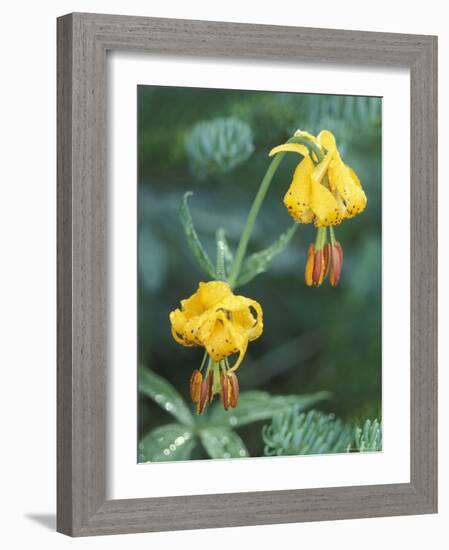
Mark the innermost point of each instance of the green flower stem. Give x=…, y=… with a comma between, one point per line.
x=203, y=361
x=217, y=383
x=332, y=235
x=257, y=203
x=320, y=238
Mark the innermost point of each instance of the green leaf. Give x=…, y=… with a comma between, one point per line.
x=192, y=238
x=257, y=405
x=297, y=433
x=369, y=437
x=169, y=442
x=223, y=443
x=165, y=395
x=260, y=261
x=224, y=255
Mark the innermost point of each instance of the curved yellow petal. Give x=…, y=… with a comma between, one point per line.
x=297, y=198
x=178, y=327
x=181, y=340
x=191, y=329
x=239, y=311
x=205, y=325
x=244, y=318
x=178, y=337
x=232, y=303
x=242, y=352
x=321, y=168
x=344, y=180
x=178, y=320
x=327, y=140
x=220, y=342
x=252, y=324
x=290, y=148
x=354, y=198
x=212, y=293
x=324, y=206
x=193, y=305
x=354, y=176
x=241, y=347
x=257, y=329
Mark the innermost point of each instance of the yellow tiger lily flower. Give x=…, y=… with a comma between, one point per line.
x=222, y=323
x=326, y=191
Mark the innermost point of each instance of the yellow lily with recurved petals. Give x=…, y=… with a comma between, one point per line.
x=324, y=191
x=222, y=323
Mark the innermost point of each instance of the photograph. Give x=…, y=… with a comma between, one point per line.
x=222, y=250
x=259, y=273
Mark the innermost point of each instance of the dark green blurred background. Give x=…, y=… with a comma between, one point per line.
x=314, y=338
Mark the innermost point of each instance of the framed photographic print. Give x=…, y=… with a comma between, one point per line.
x=247, y=283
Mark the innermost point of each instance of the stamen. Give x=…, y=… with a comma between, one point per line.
x=195, y=385
x=234, y=389
x=210, y=386
x=224, y=390
x=203, y=396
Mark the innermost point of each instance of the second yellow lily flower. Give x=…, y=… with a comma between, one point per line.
x=223, y=324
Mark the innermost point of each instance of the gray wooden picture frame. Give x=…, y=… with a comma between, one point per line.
x=83, y=41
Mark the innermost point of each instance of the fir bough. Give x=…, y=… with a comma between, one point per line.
x=293, y=432
x=369, y=436
x=218, y=146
